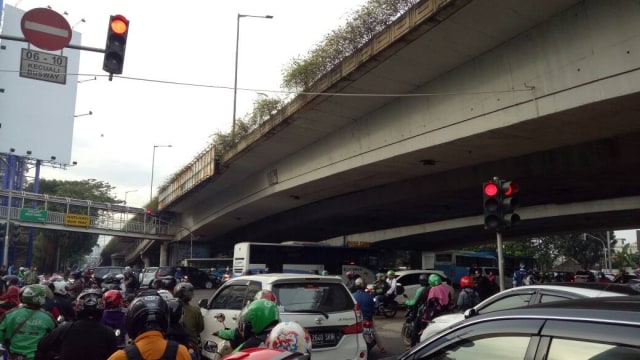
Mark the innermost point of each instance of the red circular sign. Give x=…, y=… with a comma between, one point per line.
x=46, y=29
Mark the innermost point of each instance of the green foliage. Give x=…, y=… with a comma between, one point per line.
x=361, y=27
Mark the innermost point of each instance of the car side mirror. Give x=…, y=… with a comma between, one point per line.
x=202, y=303
x=470, y=313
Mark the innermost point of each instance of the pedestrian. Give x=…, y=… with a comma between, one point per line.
x=24, y=326
x=519, y=276
x=468, y=296
x=367, y=307
x=85, y=338
x=193, y=321
x=147, y=321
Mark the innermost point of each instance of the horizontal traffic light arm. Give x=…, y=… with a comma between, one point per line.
x=70, y=46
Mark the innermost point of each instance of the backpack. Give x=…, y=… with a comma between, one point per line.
x=170, y=351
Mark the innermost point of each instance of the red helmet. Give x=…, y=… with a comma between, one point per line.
x=466, y=281
x=112, y=299
x=265, y=294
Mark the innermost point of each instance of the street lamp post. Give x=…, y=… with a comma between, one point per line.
x=607, y=255
x=130, y=191
x=153, y=162
x=235, y=81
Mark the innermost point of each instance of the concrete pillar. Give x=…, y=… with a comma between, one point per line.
x=164, y=246
x=147, y=261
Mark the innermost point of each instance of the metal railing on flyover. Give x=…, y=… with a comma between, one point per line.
x=79, y=214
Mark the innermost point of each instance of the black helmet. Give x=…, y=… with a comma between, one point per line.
x=184, y=291
x=175, y=311
x=147, y=313
x=423, y=280
x=89, y=304
x=165, y=282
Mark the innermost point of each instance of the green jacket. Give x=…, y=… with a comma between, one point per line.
x=193, y=323
x=25, y=340
x=419, y=298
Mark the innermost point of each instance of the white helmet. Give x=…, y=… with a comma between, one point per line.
x=289, y=336
x=359, y=283
x=60, y=287
x=120, y=277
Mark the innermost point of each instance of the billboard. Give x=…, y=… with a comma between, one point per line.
x=37, y=95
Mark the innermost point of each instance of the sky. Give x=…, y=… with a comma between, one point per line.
x=189, y=41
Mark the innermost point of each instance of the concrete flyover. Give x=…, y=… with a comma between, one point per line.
x=542, y=92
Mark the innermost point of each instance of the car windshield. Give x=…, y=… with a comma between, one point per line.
x=326, y=297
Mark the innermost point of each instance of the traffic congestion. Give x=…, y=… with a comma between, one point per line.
x=318, y=315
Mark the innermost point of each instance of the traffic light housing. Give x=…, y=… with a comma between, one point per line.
x=510, y=202
x=116, y=44
x=492, y=203
x=500, y=200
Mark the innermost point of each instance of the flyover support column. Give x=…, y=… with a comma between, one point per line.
x=163, y=253
x=146, y=261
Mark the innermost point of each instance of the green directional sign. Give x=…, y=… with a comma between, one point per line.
x=33, y=215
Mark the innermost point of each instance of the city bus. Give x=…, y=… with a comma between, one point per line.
x=304, y=258
x=457, y=263
x=214, y=266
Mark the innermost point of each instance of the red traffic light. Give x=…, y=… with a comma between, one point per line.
x=510, y=188
x=149, y=212
x=119, y=24
x=490, y=189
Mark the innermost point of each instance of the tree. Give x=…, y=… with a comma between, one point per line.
x=68, y=247
x=625, y=258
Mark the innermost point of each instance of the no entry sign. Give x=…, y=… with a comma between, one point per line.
x=46, y=29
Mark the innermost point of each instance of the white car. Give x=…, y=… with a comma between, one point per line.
x=529, y=295
x=410, y=282
x=322, y=304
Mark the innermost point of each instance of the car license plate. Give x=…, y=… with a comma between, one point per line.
x=324, y=339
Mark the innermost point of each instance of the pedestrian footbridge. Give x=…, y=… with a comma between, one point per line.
x=61, y=213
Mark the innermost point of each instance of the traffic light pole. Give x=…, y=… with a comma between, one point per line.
x=500, y=260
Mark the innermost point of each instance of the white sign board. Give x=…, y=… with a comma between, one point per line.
x=43, y=66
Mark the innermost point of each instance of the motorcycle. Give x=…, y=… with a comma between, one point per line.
x=388, y=307
x=369, y=334
x=409, y=325
x=222, y=347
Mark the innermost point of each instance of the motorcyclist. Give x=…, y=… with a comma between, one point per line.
x=392, y=281
x=24, y=326
x=367, y=307
x=468, y=296
x=417, y=302
x=113, y=315
x=380, y=287
x=60, y=304
x=289, y=336
x=176, y=330
x=351, y=278
x=438, y=299
x=147, y=321
x=233, y=335
x=11, y=298
x=256, y=322
x=86, y=338
x=131, y=283
x=193, y=321
x=75, y=285
x=165, y=283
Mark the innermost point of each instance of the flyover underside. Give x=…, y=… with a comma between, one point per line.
x=554, y=106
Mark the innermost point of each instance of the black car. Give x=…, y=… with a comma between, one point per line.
x=197, y=277
x=592, y=328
